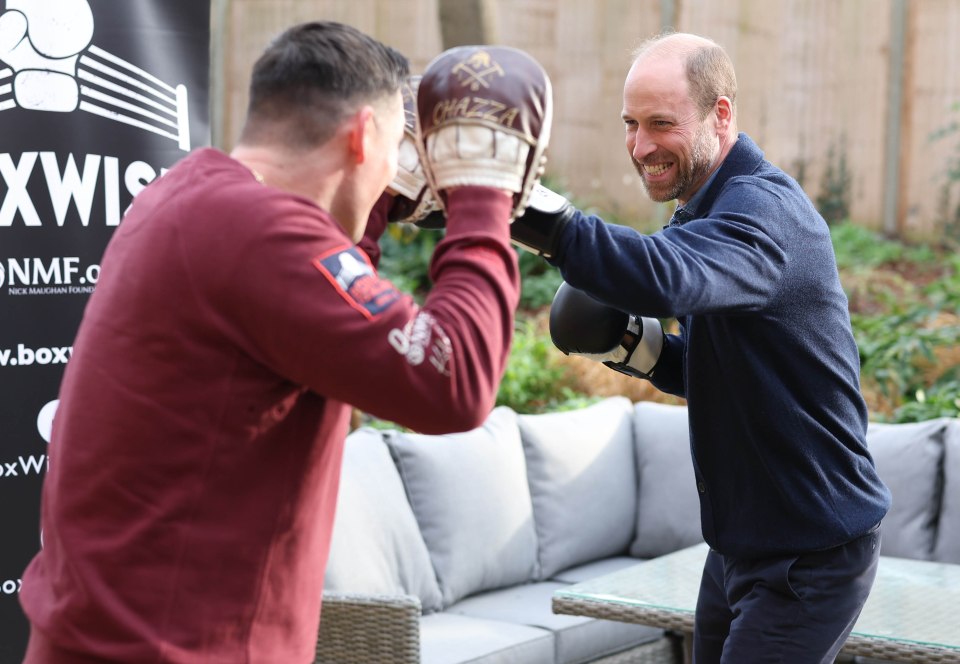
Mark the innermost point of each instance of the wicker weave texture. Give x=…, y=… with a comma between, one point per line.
x=363, y=629
x=912, y=653
x=667, y=650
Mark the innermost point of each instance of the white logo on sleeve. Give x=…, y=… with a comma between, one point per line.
x=53, y=66
x=423, y=339
x=351, y=269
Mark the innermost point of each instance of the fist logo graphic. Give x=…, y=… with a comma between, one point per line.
x=41, y=40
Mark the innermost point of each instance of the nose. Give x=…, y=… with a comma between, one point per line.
x=640, y=144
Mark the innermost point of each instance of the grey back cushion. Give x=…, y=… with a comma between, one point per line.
x=948, y=540
x=908, y=458
x=583, y=479
x=668, y=508
x=377, y=548
x=469, y=494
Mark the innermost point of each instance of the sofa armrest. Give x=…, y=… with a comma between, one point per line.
x=359, y=629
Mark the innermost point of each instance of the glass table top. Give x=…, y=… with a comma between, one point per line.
x=911, y=601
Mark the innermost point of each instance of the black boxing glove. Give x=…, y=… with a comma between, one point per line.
x=582, y=325
x=539, y=228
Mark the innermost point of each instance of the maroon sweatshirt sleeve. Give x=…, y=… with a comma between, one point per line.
x=376, y=225
x=311, y=306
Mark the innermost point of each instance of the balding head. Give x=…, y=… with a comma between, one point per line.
x=709, y=71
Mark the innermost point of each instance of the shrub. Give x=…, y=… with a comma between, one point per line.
x=405, y=257
x=903, y=311
x=534, y=381
x=941, y=400
x=539, y=280
x=833, y=201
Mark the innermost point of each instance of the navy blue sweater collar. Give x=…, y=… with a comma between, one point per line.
x=744, y=157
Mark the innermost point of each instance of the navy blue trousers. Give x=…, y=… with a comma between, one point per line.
x=790, y=610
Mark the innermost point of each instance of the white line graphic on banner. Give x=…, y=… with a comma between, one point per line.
x=51, y=65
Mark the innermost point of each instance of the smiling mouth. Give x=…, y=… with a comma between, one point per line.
x=656, y=169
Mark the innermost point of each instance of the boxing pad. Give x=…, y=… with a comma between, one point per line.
x=582, y=325
x=485, y=114
x=413, y=202
x=539, y=228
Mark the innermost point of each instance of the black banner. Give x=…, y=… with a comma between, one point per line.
x=97, y=99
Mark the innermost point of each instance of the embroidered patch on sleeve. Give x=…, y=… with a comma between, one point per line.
x=350, y=272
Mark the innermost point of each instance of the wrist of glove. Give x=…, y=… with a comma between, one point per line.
x=539, y=229
x=638, y=351
x=582, y=325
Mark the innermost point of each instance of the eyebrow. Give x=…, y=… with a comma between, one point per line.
x=624, y=115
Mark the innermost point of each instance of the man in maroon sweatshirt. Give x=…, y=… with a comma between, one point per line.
x=239, y=317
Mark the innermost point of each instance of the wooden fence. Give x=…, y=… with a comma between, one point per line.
x=846, y=95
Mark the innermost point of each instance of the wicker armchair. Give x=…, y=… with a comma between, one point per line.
x=362, y=629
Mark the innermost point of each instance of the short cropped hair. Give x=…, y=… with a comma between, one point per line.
x=710, y=71
x=312, y=76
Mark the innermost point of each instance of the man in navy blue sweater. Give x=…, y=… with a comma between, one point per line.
x=790, y=498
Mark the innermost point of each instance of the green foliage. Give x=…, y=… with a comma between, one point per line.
x=406, y=252
x=534, y=381
x=941, y=400
x=900, y=345
x=945, y=292
x=856, y=246
x=405, y=257
x=894, y=348
x=833, y=201
x=539, y=281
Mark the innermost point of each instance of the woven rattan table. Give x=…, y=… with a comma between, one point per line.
x=912, y=615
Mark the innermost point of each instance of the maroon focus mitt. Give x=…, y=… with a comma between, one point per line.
x=485, y=114
x=413, y=201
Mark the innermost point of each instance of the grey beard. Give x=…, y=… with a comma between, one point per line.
x=699, y=166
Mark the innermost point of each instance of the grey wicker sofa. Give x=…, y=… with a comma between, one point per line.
x=447, y=549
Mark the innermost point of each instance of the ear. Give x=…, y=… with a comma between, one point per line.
x=359, y=128
x=724, y=111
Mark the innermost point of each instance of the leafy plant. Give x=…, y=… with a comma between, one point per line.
x=539, y=280
x=945, y=292
x=894, y=348
x=532, y=382
x=940, y=400
x=405, y=257
x=899, y=354
x=857, y=247
x=833, y=201
x=904, y=320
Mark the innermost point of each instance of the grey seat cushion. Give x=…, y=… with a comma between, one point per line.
x=446, y=638
x=947, y=548
x=377, y=548
x=578, y=639
x=594, y=569
x=668, y=508
x=582, y=476
x=908, y=457
x=470, y=497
